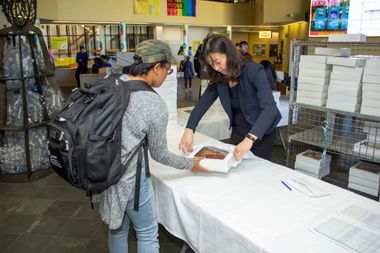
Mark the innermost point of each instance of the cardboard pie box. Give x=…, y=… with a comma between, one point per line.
x=218, y=158
x=348, y=62
x=366, y=171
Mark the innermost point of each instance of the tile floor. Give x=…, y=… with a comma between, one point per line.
x=49, y=215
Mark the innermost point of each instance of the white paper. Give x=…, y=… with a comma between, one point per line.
x=363, y=216
x=349, y=236
x=304, y=186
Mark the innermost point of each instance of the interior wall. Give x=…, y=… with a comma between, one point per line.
x=295, y=31
x=121, y=10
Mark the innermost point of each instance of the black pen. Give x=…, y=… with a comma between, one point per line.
x=287, y=186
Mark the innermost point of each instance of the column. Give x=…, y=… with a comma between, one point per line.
x=185, y=37
x=229, y=32
x=101, y=41
x=123, y=37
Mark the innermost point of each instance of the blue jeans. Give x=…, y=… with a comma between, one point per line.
x=144, y=221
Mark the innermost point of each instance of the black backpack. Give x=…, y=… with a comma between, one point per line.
x=85, y=138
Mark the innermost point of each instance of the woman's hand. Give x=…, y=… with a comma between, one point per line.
x=242, y=148
x=197, y=168
x=186, y=143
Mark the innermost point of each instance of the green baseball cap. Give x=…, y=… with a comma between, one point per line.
x=152, y=51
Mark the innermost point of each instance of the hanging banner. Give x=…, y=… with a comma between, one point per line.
x=58, y=43
x=146, y=7
x=181, y=8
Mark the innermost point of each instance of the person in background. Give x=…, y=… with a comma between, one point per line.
x=271, y=73
x=181, y=51
x=190, y=53
x=201, y=70
x=188, y=73
x=100, y=62
x=146, y=117
x=51, y=56
x=243, y=90
x=243, y=45
x=82, y=61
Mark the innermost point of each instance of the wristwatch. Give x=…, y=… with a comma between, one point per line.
x=251, y=137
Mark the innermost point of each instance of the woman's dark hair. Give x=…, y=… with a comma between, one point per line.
x=138, y=68
x=216, y=43
x=81, y=47
x=270, y=73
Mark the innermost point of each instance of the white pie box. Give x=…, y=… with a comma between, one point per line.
x=218, y=165
x=314, y=58
x=350, y=106
x=314, y=73
x=346, y=84
x=371, y=78
x=363, y=182
x=352, y=37
x=314, y=66
x=364, y=189
x=312, y=87
x=311, y=101
x=373, y=111
x=312, y=94
x=346, y=76
x=371, y=103
x=367, y=171
x=356, y=70
x=349, y=92
x=372, y=95
x=371, y=87
x=313, y=158
x=367, y=149
x=372, y=67
x=344, y=52
x=348, y=62
x=313, y=80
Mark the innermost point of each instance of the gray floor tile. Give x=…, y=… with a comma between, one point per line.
x=85, y=211
x=33, y=206
x=49, y=192
x=6, y=187
x=47, y=225
x=56, y=180
x=6, y=240
x=9, y=204
x=97, y=247
x=23, y=191
x=81, y=228
x=67, y=245
x=29, y=243
x=101, y=233
x=17, y=223
x=3, y=216
x=72, y=194
x=63, y=208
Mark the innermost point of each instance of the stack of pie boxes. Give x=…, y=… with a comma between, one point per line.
x=365, y=177
x=313, y=80
x=345, y=89
x=313, y=163
x=371, y=88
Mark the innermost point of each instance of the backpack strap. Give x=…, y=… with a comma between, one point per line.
x=139, y=171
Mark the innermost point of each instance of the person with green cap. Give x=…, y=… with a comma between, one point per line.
x=146, y=115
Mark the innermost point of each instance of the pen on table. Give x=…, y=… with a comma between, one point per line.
x=287, y=186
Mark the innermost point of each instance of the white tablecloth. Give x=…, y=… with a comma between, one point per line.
x=246, y=210
x=215, y=122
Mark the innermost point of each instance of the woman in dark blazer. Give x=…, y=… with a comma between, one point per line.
x=245, y=94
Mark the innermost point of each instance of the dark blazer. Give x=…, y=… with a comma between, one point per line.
x=256, y=101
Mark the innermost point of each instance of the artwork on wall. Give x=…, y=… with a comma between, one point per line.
x=259, y=50
x=273, y=48
x=143, y=7
x=181, y=7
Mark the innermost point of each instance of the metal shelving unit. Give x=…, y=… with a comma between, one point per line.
x=345, y=129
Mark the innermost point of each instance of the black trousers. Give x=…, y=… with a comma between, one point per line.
x=80, y=70
x=261, y=148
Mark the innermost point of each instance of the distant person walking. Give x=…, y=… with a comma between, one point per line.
x=82, y=61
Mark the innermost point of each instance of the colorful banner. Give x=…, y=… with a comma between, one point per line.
x=181, y=7
x=329, y=17
x=146, y=7
x=58, y=43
